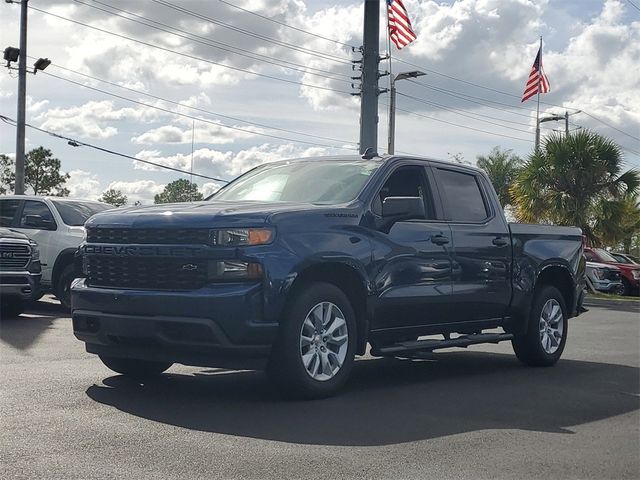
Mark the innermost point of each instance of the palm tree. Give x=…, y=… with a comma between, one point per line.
x=618, y=222
x=502, y=167
x=573, y=180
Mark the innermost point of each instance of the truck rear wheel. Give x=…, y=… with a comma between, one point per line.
x=546, y=335
x=315, y=350
x=133, y=367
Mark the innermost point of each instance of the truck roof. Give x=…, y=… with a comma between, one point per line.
x=384, y=158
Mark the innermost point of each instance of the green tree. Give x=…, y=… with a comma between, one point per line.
x=114, y=197
x=41, y=173
x=6, y=167
x=179, y=191
x=618, y=222
x=502, y=168
x=574, y=180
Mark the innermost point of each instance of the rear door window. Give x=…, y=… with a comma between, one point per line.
x=8, y=211
x=463, y=198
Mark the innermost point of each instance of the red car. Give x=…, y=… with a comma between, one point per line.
x=630, y=272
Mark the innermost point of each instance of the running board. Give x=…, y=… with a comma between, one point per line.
x=430, y=345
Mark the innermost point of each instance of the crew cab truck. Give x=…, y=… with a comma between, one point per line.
x=20, y=271
x=296, y=266
x=56, y=224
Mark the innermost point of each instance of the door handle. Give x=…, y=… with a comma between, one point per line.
x=500, y=241
x=439, y=239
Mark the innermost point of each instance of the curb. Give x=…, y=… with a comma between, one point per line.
x=629, y=305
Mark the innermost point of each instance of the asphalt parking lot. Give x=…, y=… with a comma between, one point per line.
x=460, y=414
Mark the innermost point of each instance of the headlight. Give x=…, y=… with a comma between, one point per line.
x=599, y=274
x=636, y=274
x=233, y=270
x=35, y=251
x=237, y=237
x=84, y=235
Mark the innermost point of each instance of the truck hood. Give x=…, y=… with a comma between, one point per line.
x=601, y=265
x=195, y=215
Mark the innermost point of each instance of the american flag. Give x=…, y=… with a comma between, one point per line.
x=538, y=81
x=400, y=31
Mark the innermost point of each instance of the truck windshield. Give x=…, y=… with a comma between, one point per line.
x=320, y=182
x=75, y=214
x=605, y=256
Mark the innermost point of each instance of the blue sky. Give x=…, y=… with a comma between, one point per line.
x=591, y=56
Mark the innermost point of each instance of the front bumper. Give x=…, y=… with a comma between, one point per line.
x=19, y=284
x=606, y=285
x=216, y=326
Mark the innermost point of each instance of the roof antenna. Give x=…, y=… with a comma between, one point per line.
x=369, y=153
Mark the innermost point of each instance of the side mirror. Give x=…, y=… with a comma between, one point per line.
x=36, y=221
x=403, y=208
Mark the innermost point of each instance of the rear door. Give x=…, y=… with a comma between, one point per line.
x=412, y=258
x=481, y=253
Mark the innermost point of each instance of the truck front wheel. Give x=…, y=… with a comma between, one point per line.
x=133, y=367
x=314, y=354
x=546, y=335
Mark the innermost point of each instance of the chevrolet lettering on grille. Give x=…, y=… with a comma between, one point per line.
x=142, y=250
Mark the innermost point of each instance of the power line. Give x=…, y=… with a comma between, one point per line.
x=184, y=105
x=474, y=116
x=633, y=5
x=479, y=100
x=287, y=25
x=249, y=33
x=463, y=126
x=216, y=44
x=78, y=143
x=611, y=126
x=166, y=110
x=187, y=55
x=451, y=77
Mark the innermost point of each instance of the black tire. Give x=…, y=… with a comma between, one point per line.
x=11, y=307
x=135, y=368
x=286, y=368
x=63, y=287
x=529, y=346
x=626, y=289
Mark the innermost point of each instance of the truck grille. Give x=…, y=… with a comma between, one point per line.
x=157, y=236
x=611, y=274
x=145, y=273
x=14, y=256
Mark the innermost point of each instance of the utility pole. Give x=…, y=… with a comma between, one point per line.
x=22, y=91
x=392, y=106
x=369, y=89
x=564, y=117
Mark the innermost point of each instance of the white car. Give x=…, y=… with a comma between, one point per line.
x=56, y=224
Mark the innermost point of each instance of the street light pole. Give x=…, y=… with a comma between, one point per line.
x=22, y=92
x=392, y=106
x=564, y=117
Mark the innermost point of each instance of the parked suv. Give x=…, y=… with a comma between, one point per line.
x=19, y=270
x=630, y=272
x=57, y=225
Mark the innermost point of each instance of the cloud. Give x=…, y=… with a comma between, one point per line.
x=138, y=190
x=227, y=165
x=82, y=184
x=92, y=118
x=211, y=132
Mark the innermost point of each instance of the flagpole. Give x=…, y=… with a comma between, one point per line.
x=390, y=121
x=538, y=107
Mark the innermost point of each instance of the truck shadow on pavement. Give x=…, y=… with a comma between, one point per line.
x=22, y=331
x=388, y=401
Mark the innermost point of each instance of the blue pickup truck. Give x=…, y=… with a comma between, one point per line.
x=296, y=266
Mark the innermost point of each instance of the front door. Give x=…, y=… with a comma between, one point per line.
x=412, y=259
